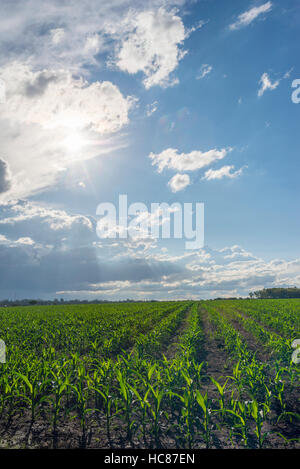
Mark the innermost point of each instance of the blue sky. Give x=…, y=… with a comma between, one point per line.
x=165, y=101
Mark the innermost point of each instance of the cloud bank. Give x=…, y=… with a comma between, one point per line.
x=56, y=258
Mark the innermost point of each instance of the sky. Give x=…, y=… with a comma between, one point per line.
x=184, y=101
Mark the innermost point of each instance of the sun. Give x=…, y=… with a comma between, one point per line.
x=74, y=143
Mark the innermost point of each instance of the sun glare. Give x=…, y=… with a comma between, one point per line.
x=74, y=143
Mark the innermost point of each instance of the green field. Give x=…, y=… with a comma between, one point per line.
x=207, y=374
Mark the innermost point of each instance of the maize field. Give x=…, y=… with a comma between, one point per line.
x=186, y=375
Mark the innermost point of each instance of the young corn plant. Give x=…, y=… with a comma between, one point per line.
x=186, y=424
x=187, y=409
x=144, y=404
x=60, y=387
x=205, y=425
x=81, y=392
x=156, y=411
x=239, y=428
x=259, y=416
x=221, y=390
x=105, y=393
x=10, y=389
x=34, y=395
x=279, y=387
x=126, y=399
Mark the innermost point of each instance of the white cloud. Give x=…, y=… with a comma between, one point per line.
x=20, y=211
x=52, y=99
x=57, y=35
x=122, y=268
x=179, y=182
x=205, y=273
x=225, y=171
x=25, y=241
x=5, y=176
x=205, y=69
x=51, y=120
x=288, y=73
x=171, y=159
x=143, y=225
x=150, y=43
x=266, y=84
x=250, y=15
x=53, y=115
x=93, y=43
x=151, y=108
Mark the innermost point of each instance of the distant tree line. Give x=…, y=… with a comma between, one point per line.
x=56, y=301
x=276, y=293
